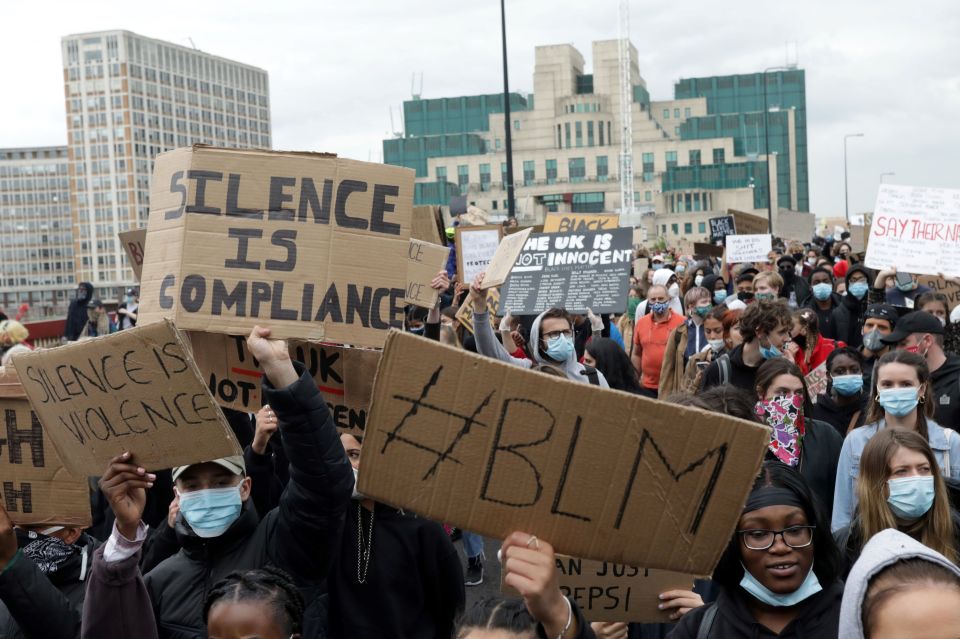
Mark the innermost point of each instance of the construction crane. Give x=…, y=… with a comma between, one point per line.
x=626, y=114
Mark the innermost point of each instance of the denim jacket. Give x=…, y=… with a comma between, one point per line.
x=944, y=442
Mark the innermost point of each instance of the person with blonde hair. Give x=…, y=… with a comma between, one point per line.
x=13, y=336
x=900, y=487
x=767, y=285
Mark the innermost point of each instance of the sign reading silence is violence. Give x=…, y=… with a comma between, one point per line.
x=311, y=245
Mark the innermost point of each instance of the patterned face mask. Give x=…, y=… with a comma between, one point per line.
x=784, y=415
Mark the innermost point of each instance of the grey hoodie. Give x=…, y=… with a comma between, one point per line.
x=884, y=549
x=490, y=346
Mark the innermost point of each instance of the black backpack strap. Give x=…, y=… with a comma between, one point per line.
x=706, y=623
x=592, y=374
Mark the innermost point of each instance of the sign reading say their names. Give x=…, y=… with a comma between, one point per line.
x=476, y=246
x=313, y=246
x=343, y=375
x=137, y=390
x=606, y=591
x=574, y=271
x=915, y=229
x=424, y=261
x=603, y=475
x=580, y=222
x=35, y=488
x=134, y=243
x=748, y=248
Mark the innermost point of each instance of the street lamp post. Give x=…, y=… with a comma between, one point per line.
x=883, y=175
x=766, y=144
x=846, y=196
x=511, y=208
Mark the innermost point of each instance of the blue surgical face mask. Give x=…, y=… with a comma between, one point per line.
x=211, y=511
x=560, y=348
x=656, y=266
x=848, y=385
x=822, y=291
x=858, y=289
x=898, y=401
x=809, y=587
x=911, y=497
x=770, y=352
x=719, y=296
x=871, y=341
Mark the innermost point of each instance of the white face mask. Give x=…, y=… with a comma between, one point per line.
x=674, y=290
x=356, y=480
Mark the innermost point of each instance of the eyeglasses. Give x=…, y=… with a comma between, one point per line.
x=760, y=539
x=555, y=334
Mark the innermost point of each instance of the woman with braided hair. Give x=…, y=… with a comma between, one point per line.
x=808, y=347
x=263, y=603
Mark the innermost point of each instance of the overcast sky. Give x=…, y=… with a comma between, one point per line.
x=887, y=69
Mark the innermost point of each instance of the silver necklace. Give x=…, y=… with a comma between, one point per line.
x=363, y=549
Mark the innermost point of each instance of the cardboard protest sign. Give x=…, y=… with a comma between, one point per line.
x=476, y=246
x=721, y=227
x=580, y=222
x=639, y=236
x=607, y=591
x=916, y=229
x=424, y=261
x=510, y=230
x=505, y=257
x=137, y=390
x=816, y=382
x=748, y=223
x=600, y=474
x=426, y=225
x=701, y=249
x=344, y=375
x=940, y=285
x=575, y=271
x=133, y=243
x=34, y=485
x=311, y=245
x=465, y=312
x=748, y=248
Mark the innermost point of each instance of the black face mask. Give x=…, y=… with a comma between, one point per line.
x=798, y=257
x=745, y=297
x=800, y=340
x=787, y=274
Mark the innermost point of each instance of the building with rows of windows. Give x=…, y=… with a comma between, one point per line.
x=36, y=235
x=698, y=154
x=129, y=98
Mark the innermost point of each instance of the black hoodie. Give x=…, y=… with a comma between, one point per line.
x=77, y=314
x=827, y=410
x=946, y=392
x=848, y=315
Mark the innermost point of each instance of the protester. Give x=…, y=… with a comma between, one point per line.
x=808, y=348
x=607, y=357
x=127, y=311
x=765, y=328
x=795, y=289
x=901, y=397
x=686, y=340
x=650, y=339
x=627, y=321
x=905, y=291
x=900, y=588
x=261, y=603
x=743, y=287
x=551, y=341
x=696, y=275
x=824, y=301
x=396, y=575
x=530, y=568
x=13, y=337
x=900, y=486
x=716, y=285
x=878, y=321
x=77, y=312
x=778, y=575
x=98, y=322
x=844, y=403
x=668, y=280
x=796, y=439
x=43, y=573
x=218, y=530
x=767, y=286
x=938, y=305
x=716, y=334
x=849, y=315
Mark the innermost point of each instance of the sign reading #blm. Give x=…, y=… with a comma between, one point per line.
x=575, y=271
x=311, y=245
x=137, y=390
x=604, y=475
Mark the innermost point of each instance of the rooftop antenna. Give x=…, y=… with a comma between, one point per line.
x=191, y=43
x=416, y=91
x=626, y=113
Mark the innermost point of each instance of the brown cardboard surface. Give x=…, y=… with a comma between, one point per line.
x=940, y=285
x=707, y=250
x=344, y=375
x=600, y=474
x=748, y=223
x=816, y=382
x=134, y=243
x=505, y=257
x=313, y=246
x=424, y=261
x=465, y=312
x=475, y=249
x=607, y=591
x=137, y=390
x=426, y=225
x=580, y=222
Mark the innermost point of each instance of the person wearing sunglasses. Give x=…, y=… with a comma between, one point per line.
x=778, y=575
